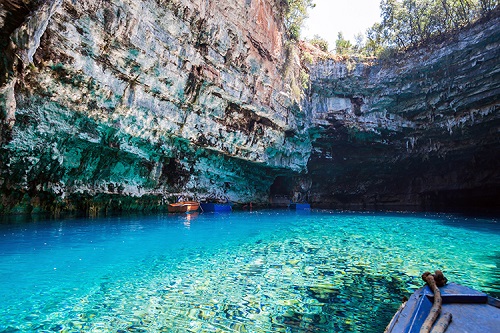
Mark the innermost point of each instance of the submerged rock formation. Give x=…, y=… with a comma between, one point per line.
x=420, y=130
x=126, y=104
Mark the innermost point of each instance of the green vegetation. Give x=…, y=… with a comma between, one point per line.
x=295, y=14
x=320, y=43
x=342, y=45
x=410, y=23
x=304, y=78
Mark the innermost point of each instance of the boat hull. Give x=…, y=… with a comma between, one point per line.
x=216, y=207
x=183, y=207
x=300, y=206
x=472, y=311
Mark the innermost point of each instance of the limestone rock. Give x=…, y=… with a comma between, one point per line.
x=417, y=131
x=146, y=99
x=128, y=104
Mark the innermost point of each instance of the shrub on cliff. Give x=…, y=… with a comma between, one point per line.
x=406, y=24
x=320, y=43
x=295, y=14
x=410, y=23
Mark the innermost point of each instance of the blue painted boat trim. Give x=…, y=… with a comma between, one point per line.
x=472, y=311
x=299, y=206
x=216, y=207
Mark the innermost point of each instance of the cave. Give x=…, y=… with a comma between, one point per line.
x=322, y=169
x=281, y=191
x=417, y=130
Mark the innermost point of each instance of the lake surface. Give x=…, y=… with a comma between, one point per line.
x=264, y=271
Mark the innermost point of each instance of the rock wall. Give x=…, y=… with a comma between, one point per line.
x=123, y=104
x=418, y=131
x=111, y=105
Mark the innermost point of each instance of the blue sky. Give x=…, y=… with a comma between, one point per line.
x=349, y=16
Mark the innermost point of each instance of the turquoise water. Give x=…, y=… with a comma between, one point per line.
x=265, y=271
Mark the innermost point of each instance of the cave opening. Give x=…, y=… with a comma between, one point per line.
x=281, y=191
x=482, y=200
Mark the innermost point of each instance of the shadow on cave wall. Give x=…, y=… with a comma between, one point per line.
x=286, y=189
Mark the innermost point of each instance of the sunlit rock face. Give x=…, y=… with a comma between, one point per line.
x=127, y=104
x=419, y=131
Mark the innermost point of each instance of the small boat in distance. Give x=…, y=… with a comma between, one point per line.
x=216, y=207
x=299, y=206
x=470, y=311
x=183, y=207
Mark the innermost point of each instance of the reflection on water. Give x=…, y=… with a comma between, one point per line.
x=242, y=272
x=191, y=216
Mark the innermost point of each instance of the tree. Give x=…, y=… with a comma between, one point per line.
x=374, y=40
x=320, y=43
x=295, y=14
x=342, y=45
x=359, y=42
x=407, y=23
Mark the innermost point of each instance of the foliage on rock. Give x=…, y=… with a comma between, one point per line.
x=295, y=14
x=410, y=23
x=407, y=24
x=320, y=43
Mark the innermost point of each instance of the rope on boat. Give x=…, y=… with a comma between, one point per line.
x=442, y=323
x=434, y=281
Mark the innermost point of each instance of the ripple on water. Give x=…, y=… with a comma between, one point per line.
x=319, y=273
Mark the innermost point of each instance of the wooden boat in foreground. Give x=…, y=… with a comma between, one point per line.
x=472, y=311
x=183, y=207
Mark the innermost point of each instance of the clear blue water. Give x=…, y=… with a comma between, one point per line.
x=265, y=271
